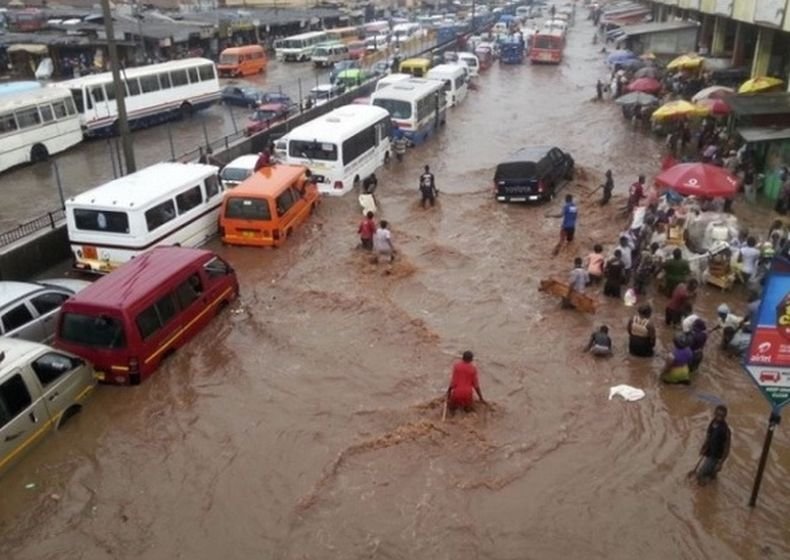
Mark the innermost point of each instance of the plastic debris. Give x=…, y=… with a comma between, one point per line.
x=627, y=392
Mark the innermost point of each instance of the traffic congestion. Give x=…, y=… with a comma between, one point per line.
x=286, y=353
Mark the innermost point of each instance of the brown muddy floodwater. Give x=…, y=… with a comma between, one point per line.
x=305, y=423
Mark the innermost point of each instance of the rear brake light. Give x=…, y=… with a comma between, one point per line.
x=338, y=185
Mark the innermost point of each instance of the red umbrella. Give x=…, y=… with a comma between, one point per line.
x=699, y=179
x=645, y=85
x=717, y=107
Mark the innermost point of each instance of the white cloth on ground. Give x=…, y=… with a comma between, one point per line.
x=627, y=392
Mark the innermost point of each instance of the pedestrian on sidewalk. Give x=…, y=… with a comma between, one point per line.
x=367, y=229
x=716, y=447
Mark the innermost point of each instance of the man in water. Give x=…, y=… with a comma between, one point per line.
x=367, y=229
x=614, y=275
x=570, y=214
x=577, y=280
x=716, y=448
x=399, y=145
x=608, y=187
x=427, y=187
x=382, y=242
x=600, y=343
x=463, y=384
x=636, y=193
x=599, y=87
x=676, y=270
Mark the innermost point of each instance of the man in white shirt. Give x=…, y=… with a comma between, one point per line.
x=749, y=255
x=382, y=242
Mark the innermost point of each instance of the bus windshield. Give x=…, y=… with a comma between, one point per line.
x=323, y=151
x=546, y=42
x=228, y=59
x=90, y=330
x=248, y=209
x=396, y=108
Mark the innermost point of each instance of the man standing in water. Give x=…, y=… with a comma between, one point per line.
x=608, y=187
x=570, y=214
x=463, y=385
x=382, y=242
x=427, y=187
x=716, y=448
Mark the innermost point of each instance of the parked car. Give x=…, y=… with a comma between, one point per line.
x=382, y=67
x=321, y=94
x=40, y=389
x=266, y=116
x=242, y=96
x=532, y=174
x=238, y=170
x=352, y=78
x=276, y=97
x=340, y=66
x=28, y=309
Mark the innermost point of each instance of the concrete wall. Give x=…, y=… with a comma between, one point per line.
x=34, y=256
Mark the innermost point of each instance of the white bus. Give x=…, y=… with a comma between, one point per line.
x=454, y=78
x=417, y=106
x=298, y=47
x=164, y=204
x=35, y=124
x=154, y=93
x=390, y=79
x=327, y=54
x=341, y=148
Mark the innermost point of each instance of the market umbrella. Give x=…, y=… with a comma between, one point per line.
x=645, y=85
x=618, y=57
x=636, y=98
x=698, y=179
x=679, y=109
x=647, y=72
x=762, y=83
x=633, y=64
x=686, y=62
x=712, y=92
x=717, y=107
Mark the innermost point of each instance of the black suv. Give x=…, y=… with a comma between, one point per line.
x=532, y=174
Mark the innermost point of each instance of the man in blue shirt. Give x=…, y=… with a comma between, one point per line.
x=569, y=214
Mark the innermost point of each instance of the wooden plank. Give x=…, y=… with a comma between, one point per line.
x=561, y=289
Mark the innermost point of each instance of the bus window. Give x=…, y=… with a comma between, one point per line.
x=160, y=214
x=216, y=268
x=7, y=124
x=193, y=75
x=164, y=81
x=76, y=94
x=187, y=200
x=312, y=150
x=248, y=209
x=27, y=118
x=46, y=113
x=179, y=77
x=97, y=92
x=60, y=109
x=70, y=106
x=101, y=220
x=206, y=72
x=149, y=84
x=89, y=330
x=133, y=86
x=109, y=89
x=212, y=186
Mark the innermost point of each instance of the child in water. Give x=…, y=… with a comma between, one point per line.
x=600, y=343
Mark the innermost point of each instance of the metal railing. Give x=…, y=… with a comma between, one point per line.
x=50, y=220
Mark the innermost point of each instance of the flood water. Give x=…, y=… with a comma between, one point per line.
x=306, y=422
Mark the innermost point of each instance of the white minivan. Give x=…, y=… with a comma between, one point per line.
x=471, y=61
x=40, y=389
x=454, y=77
x=328, y=54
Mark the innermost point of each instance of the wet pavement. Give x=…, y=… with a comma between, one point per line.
x=305, y=423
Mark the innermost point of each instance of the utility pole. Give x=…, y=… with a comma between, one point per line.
x=120, y=90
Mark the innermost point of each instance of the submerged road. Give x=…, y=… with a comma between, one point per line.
x=305, y=422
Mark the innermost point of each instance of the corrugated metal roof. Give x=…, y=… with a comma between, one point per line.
x=760, y=104
x=764, y=133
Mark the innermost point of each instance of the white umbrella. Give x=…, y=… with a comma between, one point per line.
x=712, y=92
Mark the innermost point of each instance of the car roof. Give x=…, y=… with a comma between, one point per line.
x=16, y=351
x=243, y=162
x=530, y=152
x=137, y=278
x=12, y=291
x=268, y=180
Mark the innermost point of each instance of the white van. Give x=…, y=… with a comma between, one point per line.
x=40, y=389
x=390, y=79
x=454, y=77
x=471, y=61
x=328, y=54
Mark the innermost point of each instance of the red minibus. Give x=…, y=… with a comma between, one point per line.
x=128, y=321
x=547, y=48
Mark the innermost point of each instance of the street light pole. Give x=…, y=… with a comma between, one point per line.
x=120, y=91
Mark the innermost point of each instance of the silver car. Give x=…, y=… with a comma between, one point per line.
x=28, y=309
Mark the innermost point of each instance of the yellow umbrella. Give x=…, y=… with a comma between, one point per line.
x=686, y=61
x=759, y=84
x=679, y=109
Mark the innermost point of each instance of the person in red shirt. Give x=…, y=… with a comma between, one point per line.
x=464, y=384
x=636, y=193
x=680, y=303
x=366, y=230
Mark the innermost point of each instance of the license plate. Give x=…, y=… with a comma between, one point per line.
x=90, y=252
x=517, y=199
x=248, y=233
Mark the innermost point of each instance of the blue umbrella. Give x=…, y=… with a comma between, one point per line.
x=618, y=57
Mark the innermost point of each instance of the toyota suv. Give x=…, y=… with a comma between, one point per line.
x=532, y=174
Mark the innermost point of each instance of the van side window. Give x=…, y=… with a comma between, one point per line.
x=212, y=186
x=187, y=200
x=216, y=268
x=19, y=316
x=189, y=291
x=45, y=303
x=14, y=398
x=284, y=202
x=166, y=308
x=51, y=366
x=147, y=322
x=160, y=214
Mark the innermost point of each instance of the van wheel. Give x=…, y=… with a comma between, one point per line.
x=186, y=110
x=39, y=153
x=71, y=411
